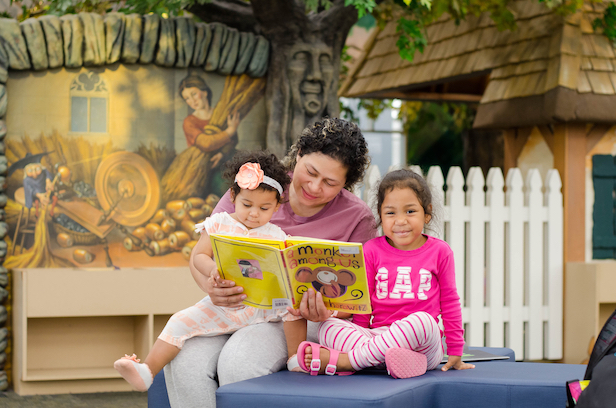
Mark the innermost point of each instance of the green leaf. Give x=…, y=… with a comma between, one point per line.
x=411, y=38
x=374, y=107
x=607, y=23
x=426, y=3
x=363, y=7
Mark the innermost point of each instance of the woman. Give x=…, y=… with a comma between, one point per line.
x=329, y=158
x=198, y=96
x=196, y=172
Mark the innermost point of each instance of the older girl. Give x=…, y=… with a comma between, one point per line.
x=411, y=281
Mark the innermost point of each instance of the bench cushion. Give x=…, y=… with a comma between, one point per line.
x=490, y=384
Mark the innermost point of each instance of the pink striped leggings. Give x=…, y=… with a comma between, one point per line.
x=366, y=347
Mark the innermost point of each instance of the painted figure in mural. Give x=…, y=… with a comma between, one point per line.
x=38, y=184
x=38, y=181
x=209, y=130
x=311, y=77
x=198, y=96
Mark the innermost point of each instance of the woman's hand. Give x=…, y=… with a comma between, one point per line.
x=233, y=121
x=224, y=292
x=311, y=307
x=456, y=363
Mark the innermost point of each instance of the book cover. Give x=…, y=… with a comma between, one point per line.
x=468, y=355
x=275, y=274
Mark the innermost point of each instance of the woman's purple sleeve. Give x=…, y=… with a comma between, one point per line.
x=364, y=231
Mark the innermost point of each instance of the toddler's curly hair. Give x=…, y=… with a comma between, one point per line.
x=271, y=166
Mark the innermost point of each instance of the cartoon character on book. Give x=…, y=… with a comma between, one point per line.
x=258, y=182
x=330, y=282
x=411, y=282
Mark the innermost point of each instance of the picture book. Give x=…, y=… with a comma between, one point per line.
x=275, y=274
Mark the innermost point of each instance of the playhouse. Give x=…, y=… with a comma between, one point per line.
x=550, y=87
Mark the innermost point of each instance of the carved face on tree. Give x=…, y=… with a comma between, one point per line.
x=311, y=74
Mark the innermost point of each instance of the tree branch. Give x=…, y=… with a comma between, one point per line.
x=281, y=18
x=233, y=13
x=337, y=16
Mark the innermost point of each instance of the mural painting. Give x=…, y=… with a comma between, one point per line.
x=113, y=166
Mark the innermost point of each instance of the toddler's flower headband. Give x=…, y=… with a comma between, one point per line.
x=250, y=176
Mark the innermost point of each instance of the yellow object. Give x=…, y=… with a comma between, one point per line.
x=187, y=249
x=82, y=256
x=275, y=274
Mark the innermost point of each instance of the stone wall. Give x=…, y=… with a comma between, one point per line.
x=88, y=39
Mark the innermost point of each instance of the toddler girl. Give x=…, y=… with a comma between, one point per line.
x=259, y=182
x=411, y=281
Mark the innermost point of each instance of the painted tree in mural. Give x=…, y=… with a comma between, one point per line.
x=304, y=62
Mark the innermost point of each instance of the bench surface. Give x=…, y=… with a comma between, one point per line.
x=489, y=385
x=501, y=383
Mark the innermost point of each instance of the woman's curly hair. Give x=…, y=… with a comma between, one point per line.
x=337, y=138
x=271, y=166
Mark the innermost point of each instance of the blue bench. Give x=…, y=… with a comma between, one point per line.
x=503, y=383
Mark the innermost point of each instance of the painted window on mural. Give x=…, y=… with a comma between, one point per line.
x=89, y=102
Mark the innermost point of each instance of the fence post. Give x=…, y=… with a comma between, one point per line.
x=514, y=262
x=436, y=181
x=371, y=180
x=454, y=231
x=534, y=265
x=554, y=265
x=495, y=256
x=475, y=252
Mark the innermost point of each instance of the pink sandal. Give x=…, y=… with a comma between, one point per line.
x=405, y=363
x=315, y=364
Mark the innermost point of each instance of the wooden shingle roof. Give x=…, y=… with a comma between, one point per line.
x=547, y=58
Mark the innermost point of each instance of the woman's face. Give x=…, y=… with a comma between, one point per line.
x=195, y=98
x=317, y=179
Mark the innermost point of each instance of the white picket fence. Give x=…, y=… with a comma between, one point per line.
x=508, y=248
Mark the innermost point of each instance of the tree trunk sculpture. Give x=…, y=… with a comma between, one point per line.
x=302, y=77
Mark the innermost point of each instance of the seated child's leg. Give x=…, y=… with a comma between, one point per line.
x=295, y=332
x=208, y=320
x=141, y=375
x=343, y=335
x=338, y=334
x=427, y=338
x=418, y=332
x=202, y=319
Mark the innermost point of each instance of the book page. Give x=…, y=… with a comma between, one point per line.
x=255, y=266
x=335, y=269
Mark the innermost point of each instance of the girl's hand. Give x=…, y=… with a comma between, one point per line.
x=224, y=292
x=456, y=363
x=312, y=307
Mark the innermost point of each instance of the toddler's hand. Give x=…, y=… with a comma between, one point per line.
x=215, y=278
x=456, y=363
